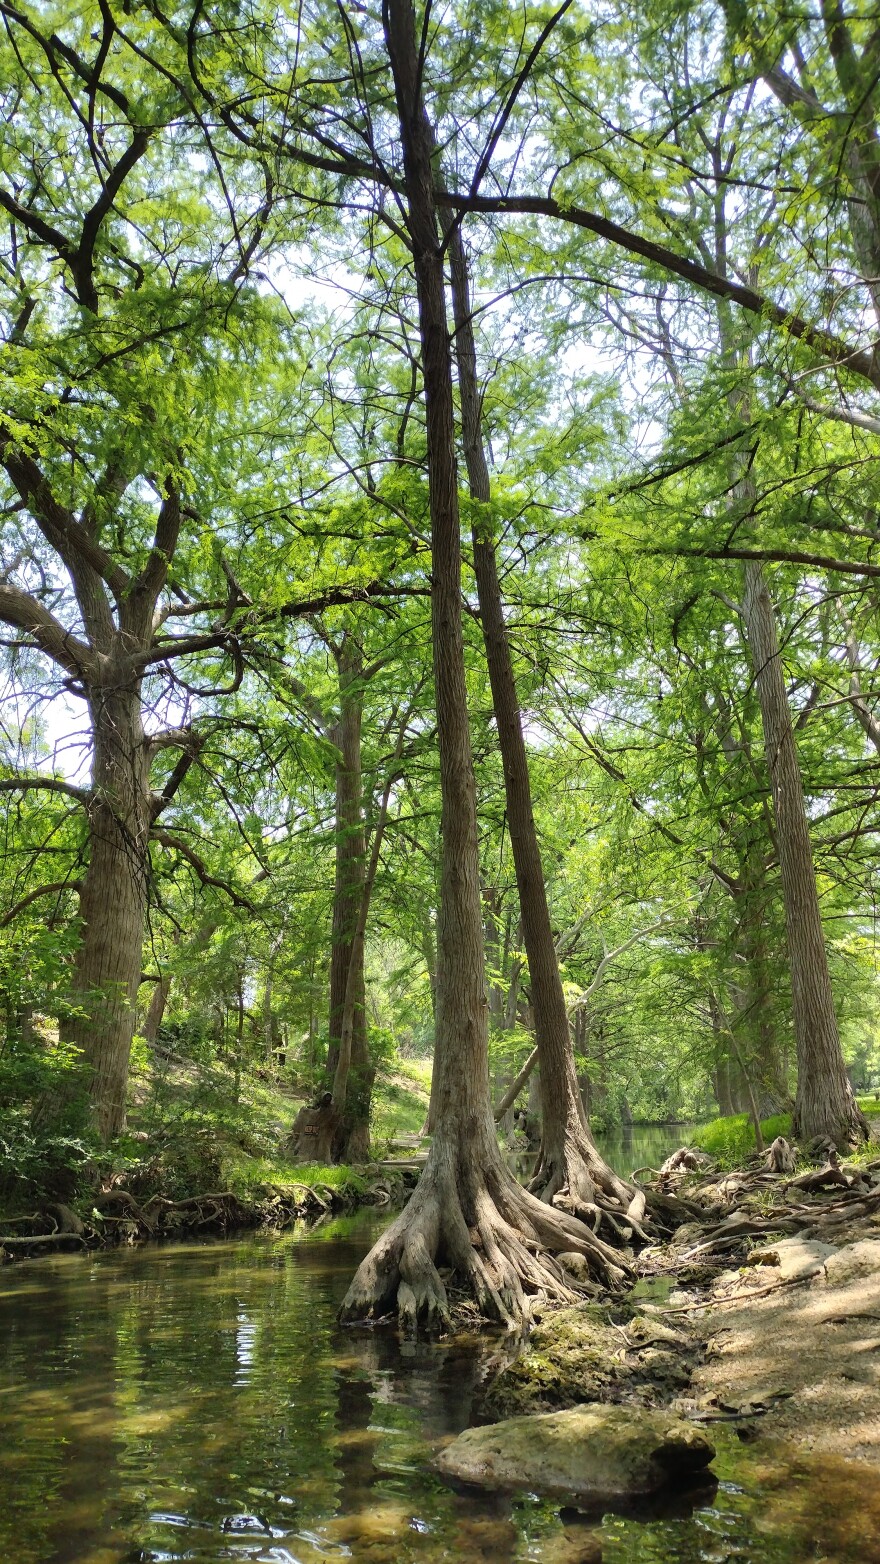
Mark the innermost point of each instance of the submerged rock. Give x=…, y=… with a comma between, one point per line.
x=589, y=1453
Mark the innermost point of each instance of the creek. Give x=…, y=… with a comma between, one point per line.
x=151, y=1399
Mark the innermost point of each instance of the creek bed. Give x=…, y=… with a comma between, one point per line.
x=152, y=1398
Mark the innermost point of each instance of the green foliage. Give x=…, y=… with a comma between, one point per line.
x=249, y=1175
x=45, y=1138
x=731, y=1140
x=400, y=1101
x=193, y=350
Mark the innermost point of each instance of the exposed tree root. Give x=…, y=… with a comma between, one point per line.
x=117, y=1217
x=497, y=1239
x=574, y=1177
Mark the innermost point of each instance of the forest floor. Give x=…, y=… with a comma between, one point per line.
x=804, y=1359
x=764, y=1315
x=203, y=1151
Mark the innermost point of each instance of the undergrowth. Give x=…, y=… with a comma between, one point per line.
x=731, y=1140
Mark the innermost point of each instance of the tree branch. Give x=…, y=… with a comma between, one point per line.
x=32, y=896
x=59, y=526
x=847, y=567
x=46, y=784
x=203, y=872
x=50, y=636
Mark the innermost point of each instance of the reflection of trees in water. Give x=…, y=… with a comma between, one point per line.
x=394, y=1398
x=56, y=1352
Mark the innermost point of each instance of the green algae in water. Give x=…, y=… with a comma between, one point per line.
x=149, y=1399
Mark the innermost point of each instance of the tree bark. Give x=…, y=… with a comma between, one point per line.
x=349, y=1070
x=569, y=1165
x=354, y=1075
x=346, y=961
x=824, y=1104
x=113, y=899
x=467, y=1208
x=156, y=1009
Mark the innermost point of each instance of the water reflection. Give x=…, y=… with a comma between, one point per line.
x=198, y=1402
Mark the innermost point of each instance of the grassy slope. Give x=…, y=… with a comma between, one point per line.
x=731, y=1140
x=185, y=1117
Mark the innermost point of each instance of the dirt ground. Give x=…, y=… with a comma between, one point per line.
x=792, y=1345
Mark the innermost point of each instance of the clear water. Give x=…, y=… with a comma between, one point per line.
x=641, y=1145
x=151, y=1399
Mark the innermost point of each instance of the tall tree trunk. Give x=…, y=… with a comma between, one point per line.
x=156, y=1009
x=569, y=1165
x=765, y=1066
x=354, y=1075
x=113, y=899
x=429, y=951
x=824, y=1104
x=467, y=1208
x=346, y=961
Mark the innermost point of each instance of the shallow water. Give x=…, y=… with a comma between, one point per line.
x=641, y=1145
x=150, y=1399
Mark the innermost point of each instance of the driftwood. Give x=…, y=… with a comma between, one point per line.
x=682, y=1161
x=831, y=1176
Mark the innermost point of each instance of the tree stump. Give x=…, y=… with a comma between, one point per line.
x=314, y=1132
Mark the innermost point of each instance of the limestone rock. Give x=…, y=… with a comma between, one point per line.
x=795, y=1257
x=573, y=1356
x=575, y=1263
x=589, y=1453
x=854, y=1263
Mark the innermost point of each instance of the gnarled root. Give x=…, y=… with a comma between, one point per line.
x=497, y=1240
x=577, y=1179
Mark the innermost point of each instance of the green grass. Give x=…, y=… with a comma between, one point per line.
x=247, y=1174
x=732, y=1139
x=400, y=1100
x=189, y=1125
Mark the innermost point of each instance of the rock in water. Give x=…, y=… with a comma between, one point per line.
x=590, y=1453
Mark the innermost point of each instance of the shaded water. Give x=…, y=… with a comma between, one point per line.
x=641, y=1145
x=151, y=1399
x=624, y=1148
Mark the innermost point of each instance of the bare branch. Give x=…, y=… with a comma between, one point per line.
x=47, y=785
x=781, y=556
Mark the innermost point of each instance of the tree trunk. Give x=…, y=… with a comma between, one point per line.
x=107, y=969
x=346, y=962
x=354, y=1076
x=156, y=1009
x=824, y=1104
x=569, y=1165
x=467, y=1208
x=429, y=951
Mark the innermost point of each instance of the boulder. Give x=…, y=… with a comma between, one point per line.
x=573, y=1356
x=853, y=1263
x=575, y=1263
x=590, y=1454
x=796, y=1258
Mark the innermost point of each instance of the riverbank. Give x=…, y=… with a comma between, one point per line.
x=198, y=1400
x=764, y=1317
x=204, y=1153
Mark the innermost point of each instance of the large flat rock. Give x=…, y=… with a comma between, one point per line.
x=589, y=1453
x=796, y=1258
